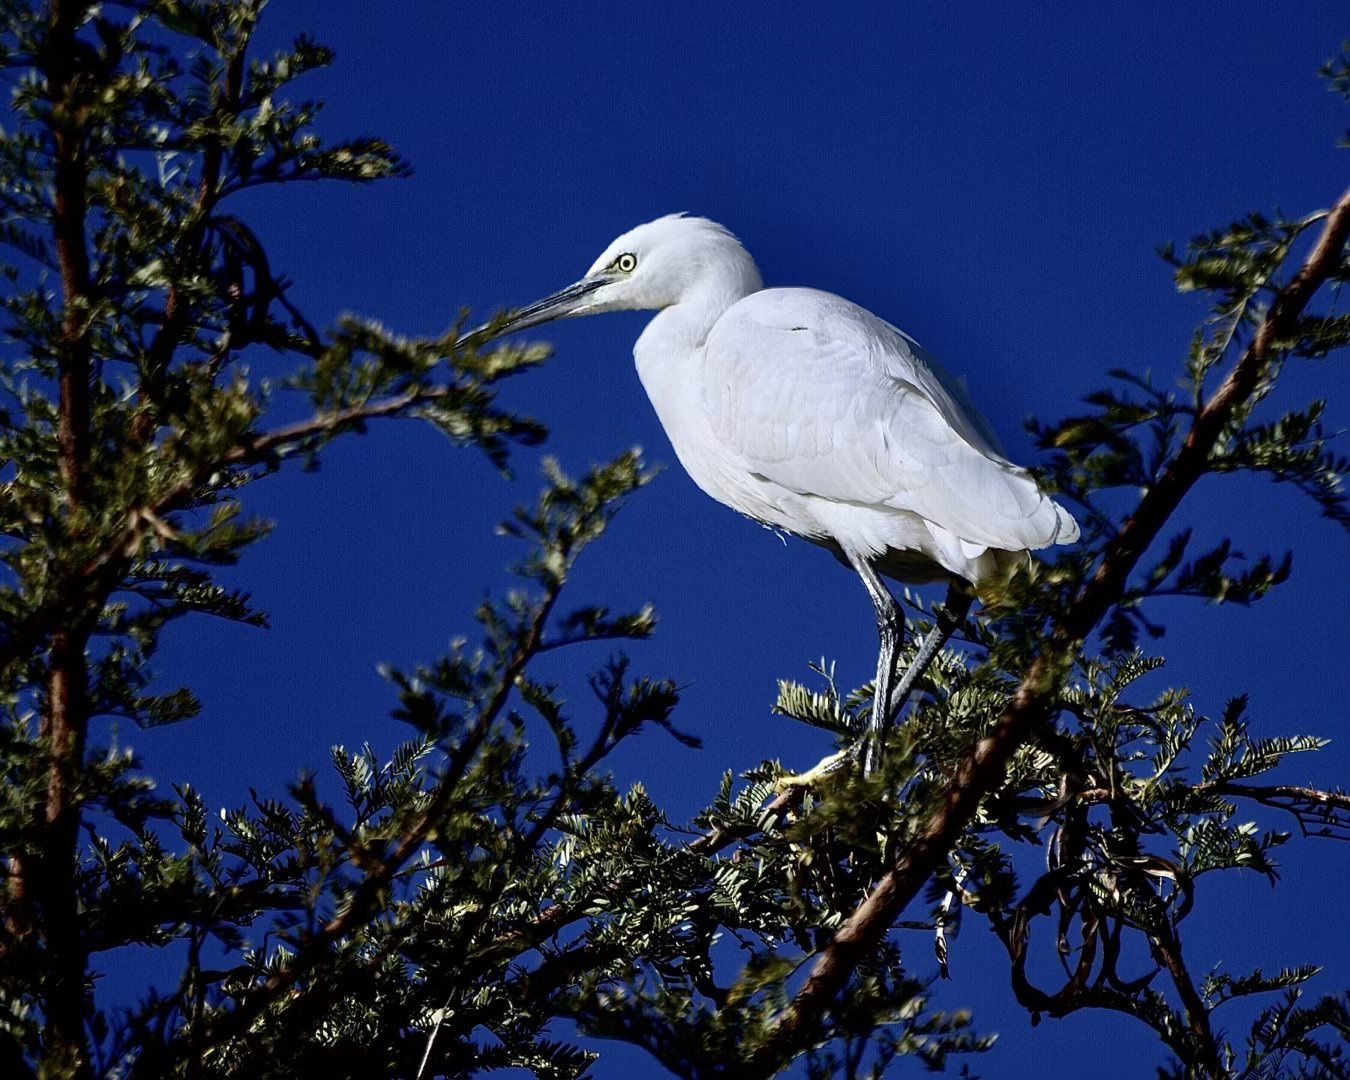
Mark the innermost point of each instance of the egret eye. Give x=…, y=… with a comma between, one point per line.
x=626, y=262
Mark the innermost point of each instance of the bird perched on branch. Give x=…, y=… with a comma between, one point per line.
x=811, y=415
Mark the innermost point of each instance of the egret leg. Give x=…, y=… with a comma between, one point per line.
x=890, y=630
x=946, y=620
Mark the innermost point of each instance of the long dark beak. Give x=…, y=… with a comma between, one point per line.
x=558, y=306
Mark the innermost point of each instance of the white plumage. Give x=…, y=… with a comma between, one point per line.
x=812, y=415
x=850, y=412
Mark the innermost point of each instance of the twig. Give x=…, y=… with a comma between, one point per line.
x=260, y=447
x=714, y=840
x=1309, y=806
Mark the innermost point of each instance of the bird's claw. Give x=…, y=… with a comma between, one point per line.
x=827, y=769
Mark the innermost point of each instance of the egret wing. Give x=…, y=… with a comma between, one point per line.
x=820, y=396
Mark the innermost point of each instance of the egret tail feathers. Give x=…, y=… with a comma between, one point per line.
x=1068, y=531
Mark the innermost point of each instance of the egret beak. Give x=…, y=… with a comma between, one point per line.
x=560, y=305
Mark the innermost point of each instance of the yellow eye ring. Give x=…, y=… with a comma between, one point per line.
x=626, y=262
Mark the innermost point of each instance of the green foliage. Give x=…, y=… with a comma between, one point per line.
x=1337, y=73
x=463, y=904
x=1282, y=1041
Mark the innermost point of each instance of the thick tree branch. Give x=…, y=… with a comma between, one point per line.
x=985, y=767
x=65, y=712
x=69, y=208
x=1167, y=950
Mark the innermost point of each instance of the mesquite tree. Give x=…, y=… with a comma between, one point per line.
x=469, y=893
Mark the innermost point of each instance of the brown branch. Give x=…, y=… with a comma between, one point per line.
x=714, y=840
x=984, y=768
x=64, y=724
x=1309, y=806
x=65, y=710
x=1167, y=950
x=1339, y=800
x=261, y=447
x=69, y=207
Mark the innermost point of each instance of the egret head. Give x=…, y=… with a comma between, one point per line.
x=648, y=268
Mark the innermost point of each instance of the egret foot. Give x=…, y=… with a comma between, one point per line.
x=827, y=768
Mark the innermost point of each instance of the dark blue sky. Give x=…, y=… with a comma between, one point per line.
x=995, y=181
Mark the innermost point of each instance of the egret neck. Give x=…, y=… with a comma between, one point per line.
x=670, y=352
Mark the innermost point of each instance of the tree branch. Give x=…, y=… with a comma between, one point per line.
x=984, y=768
x=100, y=574
x=1318, y=813
x=714, y=840
x=176, y=314
x=1167, y=949
x=69, y=207
x=363, y=901
x=65, y=712
x=263, y=446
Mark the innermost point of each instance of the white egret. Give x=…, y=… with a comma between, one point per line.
x=811, y=415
